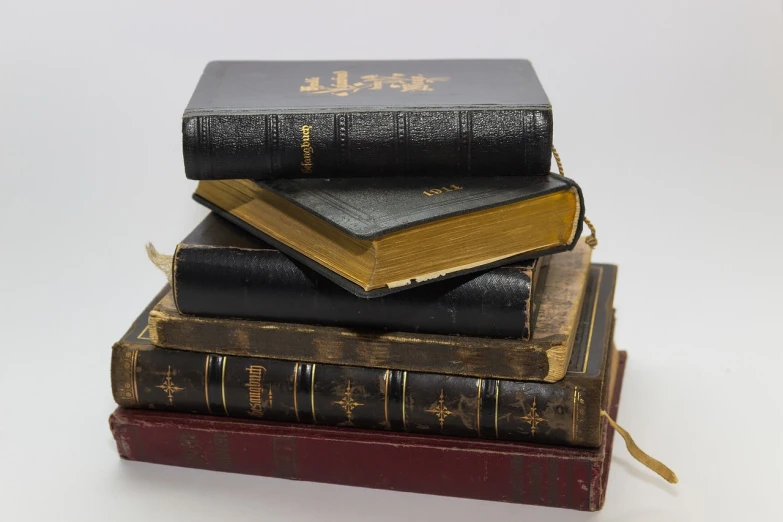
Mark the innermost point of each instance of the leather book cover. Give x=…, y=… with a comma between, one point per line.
x=221, y=271
x=571, y=478
x=544, y=358
x=306, y=119
x=328, y=393
x=368, y=208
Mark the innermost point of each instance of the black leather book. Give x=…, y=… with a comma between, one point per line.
x=375, y=236
x=219, y=270
x=263, y=120
x=566, y=412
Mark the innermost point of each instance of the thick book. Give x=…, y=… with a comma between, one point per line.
x=374, y=236
x=566, y=412
x=219, y=270
x=572, y=478
x=262, y=120
x=544, y=358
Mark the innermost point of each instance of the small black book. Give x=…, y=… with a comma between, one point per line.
x=221, y=271
x=265, y=120
x=374, y=236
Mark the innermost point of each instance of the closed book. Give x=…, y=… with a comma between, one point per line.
x=572, y=478
x=544, y=357
x=219, y=270
x=375, y=236
x=263, y=120
x=566, y=412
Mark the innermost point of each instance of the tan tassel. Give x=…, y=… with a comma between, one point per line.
x=591, y=240
x=162, y=261
x=636, y=452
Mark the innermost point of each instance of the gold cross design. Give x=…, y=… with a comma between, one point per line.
x=169, y=387
x=533, y=418
x=440, y=411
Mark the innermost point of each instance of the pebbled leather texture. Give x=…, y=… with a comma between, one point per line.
x=368, y=208
x=221, y=271
x=475, y=118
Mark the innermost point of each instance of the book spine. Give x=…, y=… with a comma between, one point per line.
x=484, y=471
x=267, y=285
x=471, y=142
x=564, y=413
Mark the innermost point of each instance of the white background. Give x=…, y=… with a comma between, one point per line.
x=669, y=114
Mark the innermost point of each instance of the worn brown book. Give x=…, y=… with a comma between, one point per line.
x=543, y=358
x=566, y=412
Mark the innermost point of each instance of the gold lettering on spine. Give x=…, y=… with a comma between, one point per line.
x=404, y=386
x=206, y=383
x=296, y=390
x=255, y=389
x=223, y=384
x=312, y=393
x=307, y=150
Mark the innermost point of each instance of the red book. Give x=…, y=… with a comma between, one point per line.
x=572, y=478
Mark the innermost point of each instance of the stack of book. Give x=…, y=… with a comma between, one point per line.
x=390, y=291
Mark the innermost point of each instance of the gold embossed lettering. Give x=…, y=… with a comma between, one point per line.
x=342, y=86
x=307, y=150
x=256, y=391
x=435, y=191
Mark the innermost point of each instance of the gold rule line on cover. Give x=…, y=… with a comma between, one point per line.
x=133, y=373
x=296, y=391
x=206, y=383
x=223, y=384
x=145, y=331
x=312, y=393
x=592, y=318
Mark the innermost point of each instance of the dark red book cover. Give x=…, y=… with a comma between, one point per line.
x=521, y=473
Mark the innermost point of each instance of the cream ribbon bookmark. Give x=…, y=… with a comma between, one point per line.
x=162, y=261
x=636, y=452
